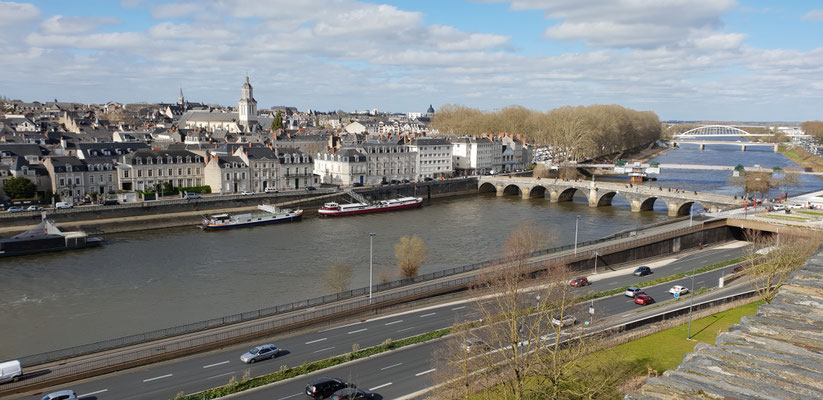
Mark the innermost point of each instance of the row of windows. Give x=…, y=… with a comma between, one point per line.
x=169, y=160
x=150, y=172
x=436, y=162
x=79, y=180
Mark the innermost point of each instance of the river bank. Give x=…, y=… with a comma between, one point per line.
x=801, y=157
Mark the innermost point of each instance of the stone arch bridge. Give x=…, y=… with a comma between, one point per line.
x=600, y=194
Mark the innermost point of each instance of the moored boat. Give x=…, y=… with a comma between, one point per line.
x=46, y=237
x=335, y=209
x=271, y=215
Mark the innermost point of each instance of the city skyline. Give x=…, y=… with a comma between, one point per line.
x=684, y=60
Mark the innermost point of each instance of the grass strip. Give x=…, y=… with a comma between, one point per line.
x=810, y=212
x=785, y=218
x=664, y=279
x=307, y=368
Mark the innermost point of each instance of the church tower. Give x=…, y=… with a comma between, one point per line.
x=180, y=99
x=247, y=106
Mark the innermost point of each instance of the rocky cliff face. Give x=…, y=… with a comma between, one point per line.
x=775, y=354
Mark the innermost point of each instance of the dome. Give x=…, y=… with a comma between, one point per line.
x=429, y=111
x=247, y=85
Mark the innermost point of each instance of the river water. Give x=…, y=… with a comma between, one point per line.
x=143, y=281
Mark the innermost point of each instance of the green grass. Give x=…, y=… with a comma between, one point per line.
x=810, y=212
x=785, y=218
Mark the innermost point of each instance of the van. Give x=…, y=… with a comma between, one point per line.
x=63, y=204
x=10, y=371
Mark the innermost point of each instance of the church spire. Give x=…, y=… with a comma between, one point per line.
x=180, y=99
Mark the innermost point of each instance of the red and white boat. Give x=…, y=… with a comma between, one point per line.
x=339, y=210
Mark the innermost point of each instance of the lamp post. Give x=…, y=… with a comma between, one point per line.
x=576, y=223
x=371, y=261
x=691, y=302
x=595, y=261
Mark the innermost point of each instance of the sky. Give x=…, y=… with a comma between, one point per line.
x=727, y=60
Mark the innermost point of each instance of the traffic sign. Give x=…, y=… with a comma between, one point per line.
x=676, y=294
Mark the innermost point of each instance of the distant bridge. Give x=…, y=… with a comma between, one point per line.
x=743, y=145
x=717, y=131
x=600, y=194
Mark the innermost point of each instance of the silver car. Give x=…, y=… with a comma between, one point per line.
x=261, y=352
x=61, y=395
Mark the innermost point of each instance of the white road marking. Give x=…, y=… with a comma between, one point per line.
x=626, y=315
x=390, y=366
x=214, y=365
x=380, y=387
x=157, y=377
x=425, y=372
x=359, y=330
x=699, y=282
x=217, y=376
x=428, y=315
x=288, y=397
x=405, y=329
x=613, y=283
x=315, y=341
x=93, y=393
x=341, y=326
x=327, y=348
x=394, y=322
x=458, y=308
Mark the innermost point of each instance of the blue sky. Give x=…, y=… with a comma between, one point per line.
x=683, y=59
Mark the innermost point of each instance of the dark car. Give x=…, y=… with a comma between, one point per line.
x=352, y=394
x=642, y=271
x=311, y=188
x=357, y=184
x=321, y=388
x=110, y=202
x=643, y=299
x=579, y=281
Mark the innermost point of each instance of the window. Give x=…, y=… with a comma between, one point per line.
x=159, y=171
x=228, y=176
x=62, y=182
x=125, y=173
x=197, y=171
x=150, y=174
x=77, y=181
x=188, y=171
x=91, y=178
x=110, y=179
x=171, y=172
x=179, y=171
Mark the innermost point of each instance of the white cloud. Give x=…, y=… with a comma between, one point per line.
x=814, y=15
x=174, y=10
x=61, y=25
x=12, y=13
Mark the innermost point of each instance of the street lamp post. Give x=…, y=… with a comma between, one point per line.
x=595, y=261
x=371, y=261
x=691, y=302
x=576, y=223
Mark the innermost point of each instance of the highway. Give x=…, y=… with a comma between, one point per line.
x=393, y=374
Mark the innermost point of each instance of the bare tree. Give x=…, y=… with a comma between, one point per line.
x=410, y=252
x=771, y=260
x=338, y=277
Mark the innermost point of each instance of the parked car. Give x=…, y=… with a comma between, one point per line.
x=10, y=371
x=15, y=209
x=632, y=291
x=311, y=188
x=567, y=320
x=34, y=208
x=643, y=299
x=271, y=190
x=61, y=395
x=356, y=184
x=579, y=281
x=321, y=388
x=474, y=344
x=110, y=202
x=246, y=193
x=352, y=394
x=63, y=204
x=191, y=196
x=642, y=271
x=262, y=352
x=679, y=289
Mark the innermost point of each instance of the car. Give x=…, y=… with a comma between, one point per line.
x=110, y=202
x=566, y=320
x=679, y=289
x=632, y=291
x=475, y=344
x=643, y=299
x=642, y=271
x=34, y=208
x=63, y=204
x=776, y=207
x=352, y=394
x=579, y=281
x=356, y=184
x=262, y=352
x=15, y=209
x=321, y=388
x=10, y=371
x=191, y=196
x=61, y=395
x=246, y=193
x=311, y=188
x=271, y=190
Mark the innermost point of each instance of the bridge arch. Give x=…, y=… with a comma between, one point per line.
x=604, y=199
x=648, y=204
x=487, y=187
x=683, y=208
x=567, y=194
x=512, y=189
x=537, y=192
x=716, y=130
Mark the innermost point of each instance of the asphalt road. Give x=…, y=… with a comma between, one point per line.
x=392, y=374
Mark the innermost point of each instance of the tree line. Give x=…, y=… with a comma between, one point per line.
x=814, y=128
x=576, y=132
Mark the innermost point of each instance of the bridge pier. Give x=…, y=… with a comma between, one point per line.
x=500, y=190
x=525, y=192
x=742, y=147
x=702, y=147
x=775, y=147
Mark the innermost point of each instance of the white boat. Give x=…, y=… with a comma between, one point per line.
x=335, y=209
x=271, y=215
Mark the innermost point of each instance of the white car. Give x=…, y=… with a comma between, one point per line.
x=567, y=320
x=271, y=190
x=245, y=193
x=63, y=204
x=34, y=208
x=679, y=289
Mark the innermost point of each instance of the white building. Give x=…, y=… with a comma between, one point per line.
x=434, y=157
x=247, y=106
x=389, y=162
x=342, y=167
x=478, y=156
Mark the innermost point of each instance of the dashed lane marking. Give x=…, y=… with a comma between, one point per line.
x=93, y=393
x=157, y=377
x=428, y=315
x=327, y=348
x=405, y=329
x=216, y=364
x=359, y=330
x=288, y=397
x=425, y=372
x=458, y=308
x=394, y=322
x=380, y=386
x=315, y=341
x=390, y=366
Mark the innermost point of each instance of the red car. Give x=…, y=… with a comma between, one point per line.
x=643, y=299
x=579, y=281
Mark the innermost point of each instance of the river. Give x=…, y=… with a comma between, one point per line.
x=148, y=280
